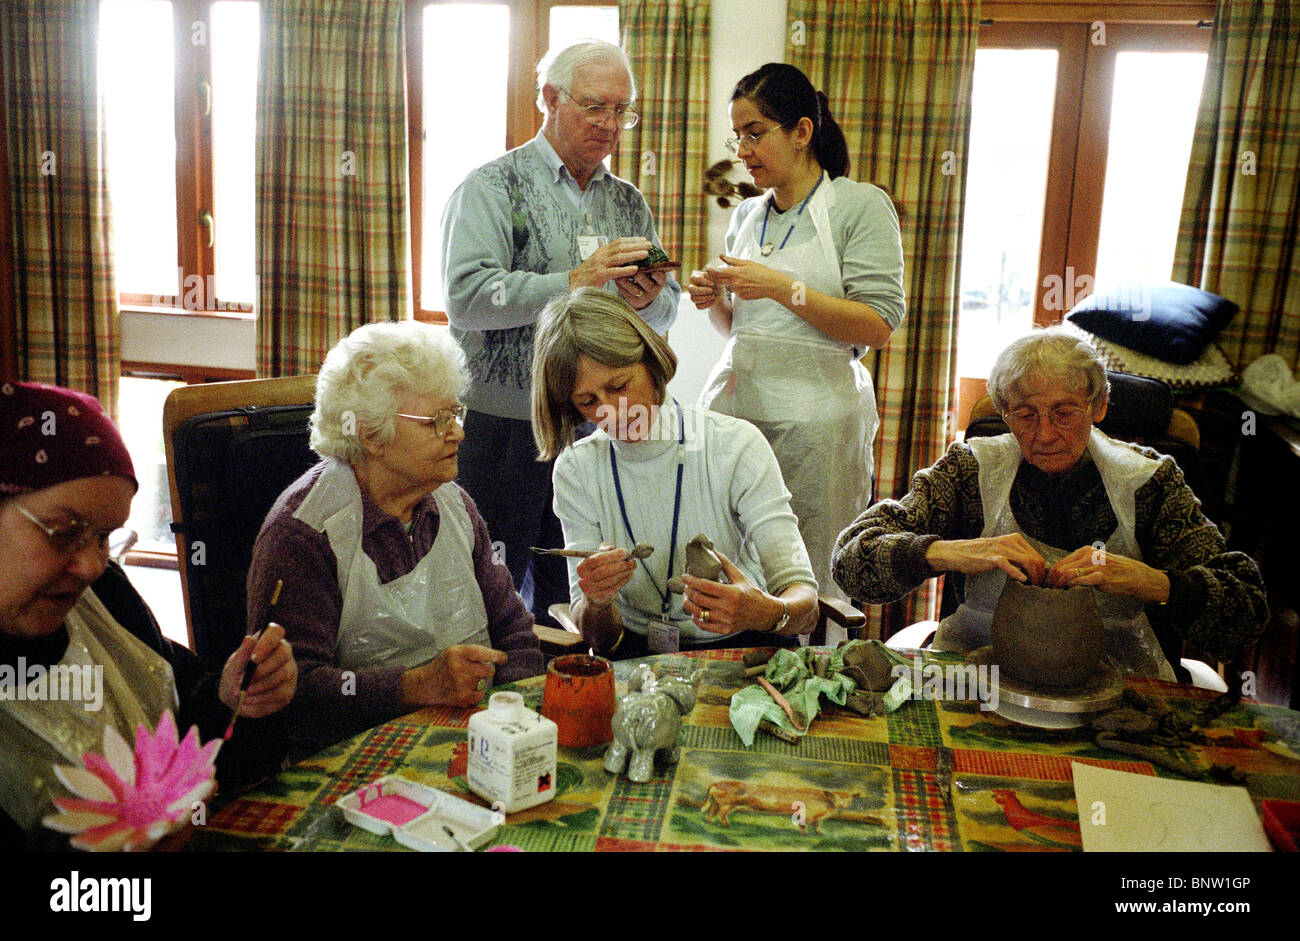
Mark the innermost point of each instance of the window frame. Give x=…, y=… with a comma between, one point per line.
x=1076, y=173
x=194, y=171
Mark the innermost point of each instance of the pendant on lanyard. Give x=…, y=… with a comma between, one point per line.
x=665, y=596
x=767, y=247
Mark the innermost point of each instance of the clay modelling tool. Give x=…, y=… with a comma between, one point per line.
x=943, y=773
x=782, y=702
x=767, y=725
x=250, y=668
x=639, y=551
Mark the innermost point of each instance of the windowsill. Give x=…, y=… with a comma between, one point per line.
x=220, y=341
x=152, y=559
x=233, y=314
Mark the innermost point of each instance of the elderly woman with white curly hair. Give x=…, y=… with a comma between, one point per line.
x=1041, y=503
x=392, y=597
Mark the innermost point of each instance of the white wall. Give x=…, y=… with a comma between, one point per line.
x=745, y=34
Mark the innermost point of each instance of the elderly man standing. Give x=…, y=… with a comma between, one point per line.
x=541, y=220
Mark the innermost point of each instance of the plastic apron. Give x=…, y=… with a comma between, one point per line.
x=137, y=688
x=411, y=619
x=807, y=393
x=1131, y=644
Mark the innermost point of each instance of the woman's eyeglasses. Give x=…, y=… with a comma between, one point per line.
x=749, y=140
x=72, y=537
x=1062, y=417
x=598, y=115
x=441, y=423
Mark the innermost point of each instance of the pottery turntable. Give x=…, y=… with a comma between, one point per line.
x=1053, y=707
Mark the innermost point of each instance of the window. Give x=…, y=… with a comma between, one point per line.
x=486, y=54
x=178, y=81
x=1080, y=136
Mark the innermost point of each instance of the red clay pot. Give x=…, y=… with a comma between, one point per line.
x=579, y=699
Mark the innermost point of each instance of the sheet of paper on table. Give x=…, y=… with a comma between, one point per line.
x=1148, y=814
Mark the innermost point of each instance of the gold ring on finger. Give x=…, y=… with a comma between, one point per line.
x=704, y=615
x=1078, y=573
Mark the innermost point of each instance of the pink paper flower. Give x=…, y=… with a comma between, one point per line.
x=129, y=800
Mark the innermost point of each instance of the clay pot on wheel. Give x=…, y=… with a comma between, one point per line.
x=1047, y=636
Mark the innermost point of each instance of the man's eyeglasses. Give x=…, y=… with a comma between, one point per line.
x=1062, y=417
x=73, y=536
x=749, y=140
x=598, y=115
x=441, y=423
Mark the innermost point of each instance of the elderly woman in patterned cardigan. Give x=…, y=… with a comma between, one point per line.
x=1057, y=502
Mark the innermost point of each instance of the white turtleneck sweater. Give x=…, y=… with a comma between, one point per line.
x=732, y=492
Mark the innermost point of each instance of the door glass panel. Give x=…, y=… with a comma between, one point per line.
x=136, y=77
x=1153, y=115
x=1006, y=182
x=466, y=63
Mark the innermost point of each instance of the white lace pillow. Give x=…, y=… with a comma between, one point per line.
x=1211, y=368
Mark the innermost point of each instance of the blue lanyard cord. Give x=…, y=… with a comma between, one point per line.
x=665, y=597
x=762, y=238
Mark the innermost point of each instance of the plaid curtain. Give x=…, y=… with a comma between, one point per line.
x=898, y=77
x=68, y=328
x=1240, y=231
x=668, y=44
x=332, y=245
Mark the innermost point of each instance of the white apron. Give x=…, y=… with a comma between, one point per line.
x=411, y=619
x=807, y=393
x=1131, y=644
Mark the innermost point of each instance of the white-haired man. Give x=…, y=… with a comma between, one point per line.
x=541, y=220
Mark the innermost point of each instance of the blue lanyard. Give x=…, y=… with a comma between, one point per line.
x=665, y=597
x=762, y=238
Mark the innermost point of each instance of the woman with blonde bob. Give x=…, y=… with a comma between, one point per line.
x=659, y=472
x=392, y=596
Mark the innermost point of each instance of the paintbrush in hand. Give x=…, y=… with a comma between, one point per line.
x=250, y=668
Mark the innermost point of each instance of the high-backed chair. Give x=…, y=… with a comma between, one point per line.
x=1140, y=410
x=232, y=449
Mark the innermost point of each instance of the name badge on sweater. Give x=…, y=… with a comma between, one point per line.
x=662, y=637
x=587, y=244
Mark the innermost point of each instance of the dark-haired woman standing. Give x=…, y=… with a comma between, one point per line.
x=812, y=277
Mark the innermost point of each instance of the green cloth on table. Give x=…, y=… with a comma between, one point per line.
x=792, y=671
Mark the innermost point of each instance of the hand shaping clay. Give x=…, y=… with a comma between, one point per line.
x=1047, y=636
x=701, y=561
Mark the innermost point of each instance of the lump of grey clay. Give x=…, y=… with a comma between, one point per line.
x=869, y=667
x=1047, y=636
x=701, y=561
x=641, y=551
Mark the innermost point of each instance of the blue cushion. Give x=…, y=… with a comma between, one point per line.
x=1170, y=321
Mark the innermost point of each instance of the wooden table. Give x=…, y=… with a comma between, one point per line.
x=855, y=783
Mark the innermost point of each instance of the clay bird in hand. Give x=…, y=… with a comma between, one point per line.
x=1040, y=827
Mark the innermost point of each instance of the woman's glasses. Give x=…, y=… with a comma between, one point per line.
x=749, y=140
x=1063, y=417
x=441, y=423
x=72, y=537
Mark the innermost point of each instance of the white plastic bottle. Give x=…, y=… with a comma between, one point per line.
x=511, y=754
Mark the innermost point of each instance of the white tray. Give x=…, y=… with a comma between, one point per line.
x=471, y=826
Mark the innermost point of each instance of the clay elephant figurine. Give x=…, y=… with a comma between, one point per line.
x=647, y=721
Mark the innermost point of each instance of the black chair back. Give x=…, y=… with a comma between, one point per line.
x=230, y=467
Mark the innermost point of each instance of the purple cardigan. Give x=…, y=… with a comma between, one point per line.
x=323, y=711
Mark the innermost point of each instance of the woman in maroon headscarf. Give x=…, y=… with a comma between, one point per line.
x=66, y=482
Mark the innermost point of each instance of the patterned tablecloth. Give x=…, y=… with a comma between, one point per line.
x=854, y=783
